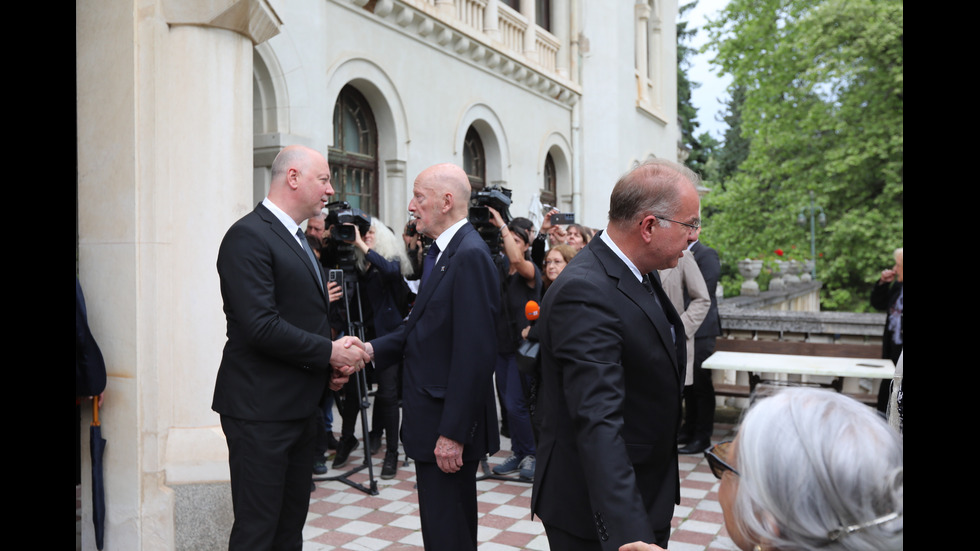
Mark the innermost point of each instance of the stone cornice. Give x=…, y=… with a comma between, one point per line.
x=423, y=22
x=254, y=19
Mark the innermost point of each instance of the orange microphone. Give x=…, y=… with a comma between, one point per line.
x=532, y=311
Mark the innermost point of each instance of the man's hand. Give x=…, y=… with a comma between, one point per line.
x=887, y=276
x=337, y=379
x=348, y=355
x=334, y=291
x=449, y=455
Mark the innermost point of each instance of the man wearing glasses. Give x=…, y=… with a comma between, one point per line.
x=612, y=361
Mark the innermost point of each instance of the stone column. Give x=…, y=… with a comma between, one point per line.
x=491, y=20
x=164, y=111
x=528, y=8
x=561, y=27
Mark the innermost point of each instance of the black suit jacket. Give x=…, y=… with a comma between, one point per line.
x=883, y=297
x=276, y=362
x=707, y=259
x=448, y=348
x=610, y=401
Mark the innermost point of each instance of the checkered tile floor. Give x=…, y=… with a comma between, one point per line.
x=344, y=518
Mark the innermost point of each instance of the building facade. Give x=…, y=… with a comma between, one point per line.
x=178, y=99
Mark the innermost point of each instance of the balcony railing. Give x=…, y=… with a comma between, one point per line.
x=511, y=29
x=472, y=13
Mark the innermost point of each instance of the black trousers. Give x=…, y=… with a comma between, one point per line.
x=385, y=415
x=447, y=506
x=566, y=541
x=699, y=398
x=271, y=472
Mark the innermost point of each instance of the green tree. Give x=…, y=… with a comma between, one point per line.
x=822, y=111
x=736, y=145
x=701, y=147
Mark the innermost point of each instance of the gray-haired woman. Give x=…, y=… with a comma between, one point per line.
x=810, y=469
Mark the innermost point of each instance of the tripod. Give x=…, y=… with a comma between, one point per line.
x=356, y=328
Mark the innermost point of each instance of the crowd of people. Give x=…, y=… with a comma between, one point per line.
x=616, y=391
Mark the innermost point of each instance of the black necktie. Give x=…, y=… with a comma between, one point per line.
x=429, y=262
x=309, y=253
x=648, y=285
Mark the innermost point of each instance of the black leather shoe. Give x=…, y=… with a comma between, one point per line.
x=390, y=467
x=694, y=446
x=331, y=441
x=344, y=447
x=375, y=442
x=684, y=437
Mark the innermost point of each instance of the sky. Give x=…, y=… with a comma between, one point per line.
x=709, y=98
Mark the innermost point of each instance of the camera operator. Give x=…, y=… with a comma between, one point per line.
x=414, y=249
x=381, y=263
x=521, y=282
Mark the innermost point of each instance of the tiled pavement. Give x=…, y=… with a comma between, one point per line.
x=344, y=518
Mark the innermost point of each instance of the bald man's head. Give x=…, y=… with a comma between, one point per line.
x=300, y=183
x=441, y=197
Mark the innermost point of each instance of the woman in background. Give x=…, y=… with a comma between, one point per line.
x=810, y=469
x=578, y=236
x=381, y=264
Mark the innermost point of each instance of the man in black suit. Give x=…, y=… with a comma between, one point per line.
x=612, y=368
x=889, y=295
x=448, y=347
x=278, y=359
x=699, y=398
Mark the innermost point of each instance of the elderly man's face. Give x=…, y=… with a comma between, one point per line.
x=426, y=205
x=314, y=228
x=899, y=267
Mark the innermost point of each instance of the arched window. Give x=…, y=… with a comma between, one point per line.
x=549, y=189
x=474, y=159
x=354, y=155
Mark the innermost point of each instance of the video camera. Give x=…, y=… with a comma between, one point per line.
x=492, y=196
x=341, y=219
x=341, y=216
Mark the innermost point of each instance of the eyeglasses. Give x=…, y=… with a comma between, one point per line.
x=715, y=456
x=691, y=227
x=556, y=262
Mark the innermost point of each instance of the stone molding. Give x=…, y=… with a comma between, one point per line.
x=440, y=30
x=254, y=19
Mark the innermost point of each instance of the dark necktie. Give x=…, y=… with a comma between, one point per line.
x=648, y=285
x=429, y=262
x=309, y=253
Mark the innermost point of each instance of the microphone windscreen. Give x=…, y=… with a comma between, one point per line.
x=532, y=310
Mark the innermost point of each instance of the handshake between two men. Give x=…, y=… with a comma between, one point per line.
x=347, y=356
